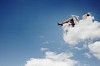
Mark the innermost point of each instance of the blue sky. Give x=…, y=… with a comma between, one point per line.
x=28, y=25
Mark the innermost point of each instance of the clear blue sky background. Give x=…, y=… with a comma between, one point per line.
x=23, y=22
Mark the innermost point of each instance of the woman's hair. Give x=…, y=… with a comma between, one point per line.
x=88, y=14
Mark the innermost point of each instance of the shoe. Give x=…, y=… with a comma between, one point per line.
x=60, y=24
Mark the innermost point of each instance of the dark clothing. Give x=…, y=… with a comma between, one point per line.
x=72, y=22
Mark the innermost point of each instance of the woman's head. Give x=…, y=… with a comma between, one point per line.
x=88, y=14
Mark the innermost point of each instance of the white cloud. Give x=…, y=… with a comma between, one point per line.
x=95, y=49
x=87, y=55
x=53, y=59
x=42, y=36
x=49, y=62
x=55, y=56
x=83, y=47
x=45, y=42
x=84, y=30
x=44, y=49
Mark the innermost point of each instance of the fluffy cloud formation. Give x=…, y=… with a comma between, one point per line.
x=84, y=30
x=95, y=49
x=53, y=59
